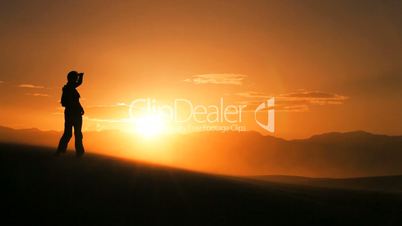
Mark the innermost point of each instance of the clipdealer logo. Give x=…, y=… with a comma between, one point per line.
x=185, y=111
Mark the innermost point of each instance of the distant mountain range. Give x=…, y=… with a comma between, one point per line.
x=350, y=154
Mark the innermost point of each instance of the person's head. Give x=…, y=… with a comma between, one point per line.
x=72, y=76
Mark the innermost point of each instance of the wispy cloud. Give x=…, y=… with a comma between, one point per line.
x=292, y=108
x=299, y=101
x=313, y=97
x=1, y=82
x=217, y=79
x=37, y=94
x=252, y=94
x=30, y=86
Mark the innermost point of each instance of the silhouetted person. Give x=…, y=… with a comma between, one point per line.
x=72, y=114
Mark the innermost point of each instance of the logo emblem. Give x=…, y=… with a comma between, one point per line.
x=269, y=106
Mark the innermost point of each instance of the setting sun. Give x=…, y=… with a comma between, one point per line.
x=150, y=125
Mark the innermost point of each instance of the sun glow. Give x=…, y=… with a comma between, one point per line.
x=149, y=126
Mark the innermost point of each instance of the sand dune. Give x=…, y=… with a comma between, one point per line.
x=40, y=188
x=382, y=183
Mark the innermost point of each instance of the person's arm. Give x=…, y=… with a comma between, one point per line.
x=79, y=81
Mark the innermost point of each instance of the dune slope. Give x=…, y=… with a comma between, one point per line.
x=40, y=188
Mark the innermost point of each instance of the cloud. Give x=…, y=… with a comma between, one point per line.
x=30, y=86
x=217, y=79
x=299, y=101
x=293, y=108
x=252, y=94
x=37, y=94
x=1, y=81
x=313, y=97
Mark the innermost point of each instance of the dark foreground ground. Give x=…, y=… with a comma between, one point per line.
x=38, y=188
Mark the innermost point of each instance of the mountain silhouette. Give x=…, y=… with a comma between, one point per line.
x=350, y=154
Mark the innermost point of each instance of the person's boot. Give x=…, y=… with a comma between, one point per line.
x=62, y=147
x=79, y=148
x=78, y=154
x=59, y=151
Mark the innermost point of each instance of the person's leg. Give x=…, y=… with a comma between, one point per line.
x=68, y=130
x=79, y=147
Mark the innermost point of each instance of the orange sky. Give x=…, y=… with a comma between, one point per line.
x=335, y=66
